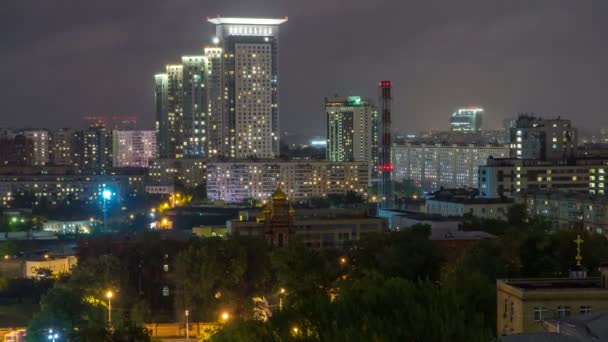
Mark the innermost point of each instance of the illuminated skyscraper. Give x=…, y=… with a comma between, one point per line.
x=250, y=84
x=466, y=119
x=352, y=130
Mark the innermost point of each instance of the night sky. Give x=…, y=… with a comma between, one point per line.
x=62, y=59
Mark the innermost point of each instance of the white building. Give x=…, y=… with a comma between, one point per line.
x=68, y=227
x=133, y=148
x=449, y=166
x=234, y=182
x=251, y=84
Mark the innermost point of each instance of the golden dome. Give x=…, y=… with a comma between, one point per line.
x=267, y=209
x=279, y=194
x=292, y=211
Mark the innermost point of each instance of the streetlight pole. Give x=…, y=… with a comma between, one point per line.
x=109, y=295
x=106, y=195
x=187, y=327
x=281, y=295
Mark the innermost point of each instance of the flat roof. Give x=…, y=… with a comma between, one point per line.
x=247, y=21
x=554, y=283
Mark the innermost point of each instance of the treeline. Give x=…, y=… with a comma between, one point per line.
x=395, y=286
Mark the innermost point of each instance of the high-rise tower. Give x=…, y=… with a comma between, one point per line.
x=352, y=130
x=251, y=85
x=385, y=167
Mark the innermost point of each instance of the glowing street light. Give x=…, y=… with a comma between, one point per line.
x=281, y=295
x=225, y=316
x=106, y=195
x=52, y=336
x=109, y=295
x=343, y=261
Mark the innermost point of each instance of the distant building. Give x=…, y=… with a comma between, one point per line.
x=352, y=130
x=278, y=223
x=479, y=207
x=435, y=166
x=250, y=85
x=96, y=156
x=507, y=176
x=524, y=305
x=133, y=148
x=568, y=210
x=234, y=182
x=57, y=266
x=543, y=139
x=38, y=146
x=467, y=119
x=69, y=227
x=66, y=147
x=187, y=172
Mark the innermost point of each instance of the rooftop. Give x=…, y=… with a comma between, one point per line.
x=246, y=21
x=539, y=284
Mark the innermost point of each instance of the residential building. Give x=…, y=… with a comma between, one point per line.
x=524, y=305
x=96, y=156
x=133, y=148
x=67, y=185
x=251, y=84
x=218, y=124
x=13, y=148
x=235, y=182
x=38, y=146
x=449, y=166
x=194, y=111
x=568, y=210
x=66, y=147
x=466, y=119
x=504, y=177
x=278, y=223
x=352, y=130
x=187, y=172
x=543, y=139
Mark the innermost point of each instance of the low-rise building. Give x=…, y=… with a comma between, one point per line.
x=568, y=210
x=234, y=182
x=188, y=172
x=278, y=222
x=57, y=266
x=487, y=208
x=69, y=227
x=524, y=305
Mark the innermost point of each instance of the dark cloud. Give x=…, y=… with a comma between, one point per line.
x=65, y=58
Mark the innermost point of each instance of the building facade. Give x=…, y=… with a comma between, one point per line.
x=524, y=305
x=188, y=172
x=466, y=120
x=507, y=176
x=541, y=139
x=278, y=223
x=133, y=148
x=251, y=81
x=435, y=166
x=96, y=156
x=478, y=207
x=352, y=130
x=38, y=146
x=234, y=182
x=568, y=210
x=66, y=147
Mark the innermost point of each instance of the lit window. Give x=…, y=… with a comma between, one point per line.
x=541, y=313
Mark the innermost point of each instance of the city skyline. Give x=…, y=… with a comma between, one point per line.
x=428, y=52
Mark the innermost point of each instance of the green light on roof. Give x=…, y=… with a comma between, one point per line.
x=355, y=101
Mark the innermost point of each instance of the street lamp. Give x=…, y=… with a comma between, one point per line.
x=187, y=327
x=109, y=295
x=106, y=195
x=225, y=316
x=281, y=295
x=52, y=336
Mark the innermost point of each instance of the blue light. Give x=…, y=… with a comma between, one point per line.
x=107, y=194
